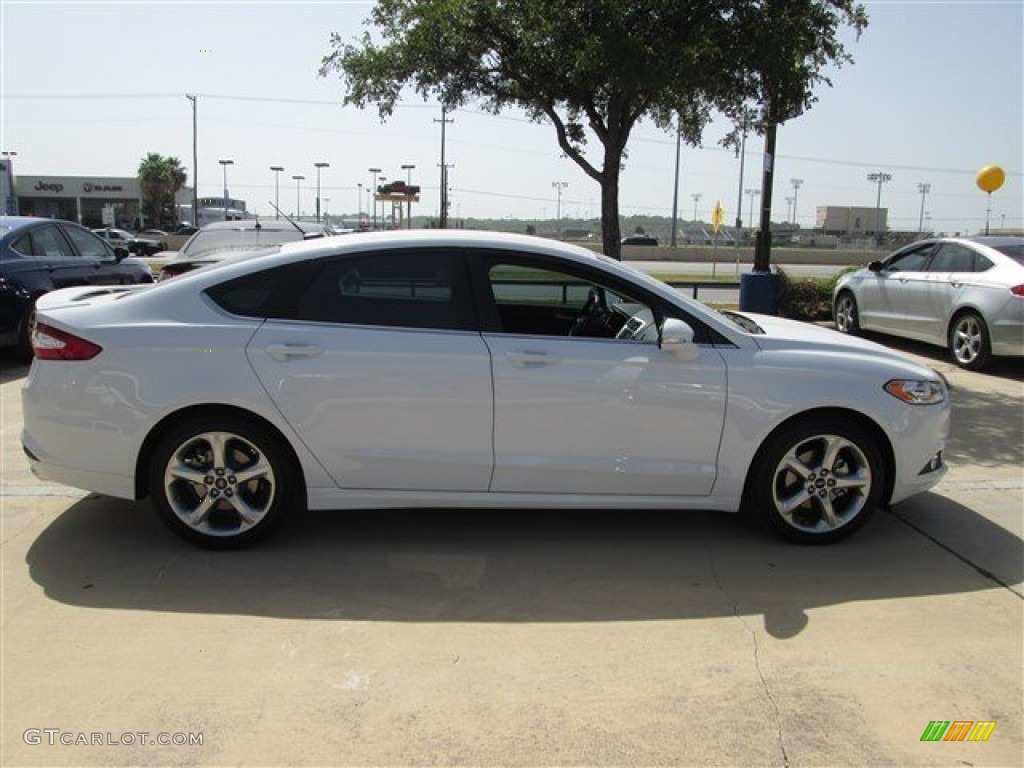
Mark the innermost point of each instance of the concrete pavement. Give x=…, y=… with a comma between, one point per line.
x=510, y=638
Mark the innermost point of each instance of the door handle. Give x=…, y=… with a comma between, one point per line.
x=956, y=284
x=527, y=359
x=285, y=352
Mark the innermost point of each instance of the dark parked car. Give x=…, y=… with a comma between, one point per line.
x=133, y=244
x=639, y=240
x=41, y=255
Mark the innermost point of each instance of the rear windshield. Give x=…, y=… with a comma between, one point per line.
x=219, y=240
x=1014, y=250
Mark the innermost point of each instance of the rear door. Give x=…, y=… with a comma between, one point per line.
x=377, y=365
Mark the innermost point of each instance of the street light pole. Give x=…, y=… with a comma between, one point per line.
x=696, y=199
x=924, y=189
x=408, y=168
x=195, y=160
x=318, y=166
x=225, y=164
x=879, y=178
x=373, y=188
x=359, y=205
x=797, y=183
x=277, y=190
x=752, y=193
x=298, y=204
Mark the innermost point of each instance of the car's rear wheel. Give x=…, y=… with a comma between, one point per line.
x=222, y=482
x=817, y=480
x=847, y=319
x=969, y=342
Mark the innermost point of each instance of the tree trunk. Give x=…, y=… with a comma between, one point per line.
x=611, y=233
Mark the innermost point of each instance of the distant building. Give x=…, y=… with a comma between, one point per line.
x=95, y=201
x=844, y=220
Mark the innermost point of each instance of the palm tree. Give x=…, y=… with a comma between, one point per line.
x=160, y=179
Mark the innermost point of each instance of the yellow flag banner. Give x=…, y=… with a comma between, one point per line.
x=717, y=217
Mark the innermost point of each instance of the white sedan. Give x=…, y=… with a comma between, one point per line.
x=966, y=294
x=458, y=369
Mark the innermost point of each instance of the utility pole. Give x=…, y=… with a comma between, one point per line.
x=924, y=189
x=675, y=187
x=558, y=187
x=696, y=199
x=444, y=169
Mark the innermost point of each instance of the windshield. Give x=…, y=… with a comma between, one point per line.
x=205, y=242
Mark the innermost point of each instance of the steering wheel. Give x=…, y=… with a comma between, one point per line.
x=593, y=313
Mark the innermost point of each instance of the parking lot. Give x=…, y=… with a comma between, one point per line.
x=522, y=638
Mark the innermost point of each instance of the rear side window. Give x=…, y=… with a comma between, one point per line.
x=88, y=244
x=952, y=257
x=251, y=295
x=399, y=289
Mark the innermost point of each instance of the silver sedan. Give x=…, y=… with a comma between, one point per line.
x=966, y=294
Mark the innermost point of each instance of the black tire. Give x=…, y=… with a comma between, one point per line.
x=23, y=351
x=816, y=480
x=969, y=342
x=204, y=497
x=845, y=313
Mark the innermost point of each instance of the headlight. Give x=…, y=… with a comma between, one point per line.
x=917, y=391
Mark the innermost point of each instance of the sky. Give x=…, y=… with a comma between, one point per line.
x=936, y=93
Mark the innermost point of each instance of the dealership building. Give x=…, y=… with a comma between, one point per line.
x=95, y=201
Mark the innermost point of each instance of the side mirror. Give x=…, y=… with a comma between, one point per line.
x=120, y=253
x=875, y=266
x=676, y=338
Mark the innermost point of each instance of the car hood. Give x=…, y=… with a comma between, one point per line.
x=781, y=334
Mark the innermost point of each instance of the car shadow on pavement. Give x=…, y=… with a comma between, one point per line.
x=1011, y=368
x=506, y=566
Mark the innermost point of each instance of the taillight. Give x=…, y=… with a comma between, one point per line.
x=1018, y=290
x=50, y=343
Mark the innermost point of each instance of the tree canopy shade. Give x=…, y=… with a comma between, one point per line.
x=593, y=68
x=160, y=179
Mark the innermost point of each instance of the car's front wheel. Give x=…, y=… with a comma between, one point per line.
x=969, y=342
x=222, y=482
x=817, y=480
x=847, y=319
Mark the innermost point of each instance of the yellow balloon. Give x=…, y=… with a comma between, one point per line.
x=990, y=178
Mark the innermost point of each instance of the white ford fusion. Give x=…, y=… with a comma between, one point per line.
x=441, y=369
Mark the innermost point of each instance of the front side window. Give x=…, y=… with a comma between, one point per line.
x=44, y=242
x=914, y=260
x=540, y=301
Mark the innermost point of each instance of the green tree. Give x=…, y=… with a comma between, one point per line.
x=593, y=68
x=783, y=48
x=160, y=179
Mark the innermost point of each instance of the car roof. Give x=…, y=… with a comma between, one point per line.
x=17, y=222
x=439, y=237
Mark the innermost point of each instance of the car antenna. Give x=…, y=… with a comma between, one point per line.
x=287, y=217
